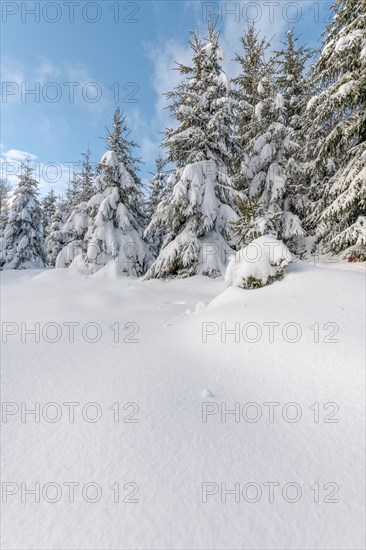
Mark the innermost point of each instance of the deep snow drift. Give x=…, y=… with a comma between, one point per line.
x=173, y=371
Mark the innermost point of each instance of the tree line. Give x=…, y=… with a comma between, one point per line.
x=278, y=150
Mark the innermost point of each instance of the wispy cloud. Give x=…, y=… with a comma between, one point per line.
x=12, y=70
x=49, y=174
x=15, y=155
x=165, y=76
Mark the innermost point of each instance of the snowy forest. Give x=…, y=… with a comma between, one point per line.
x=183, y=337
x=280, y=150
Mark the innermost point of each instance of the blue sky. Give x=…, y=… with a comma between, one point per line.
x=81, y=70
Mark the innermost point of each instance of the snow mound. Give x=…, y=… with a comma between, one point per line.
x=260, y=263
x=68, y=254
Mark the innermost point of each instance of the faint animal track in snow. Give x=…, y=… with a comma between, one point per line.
x=200, y=306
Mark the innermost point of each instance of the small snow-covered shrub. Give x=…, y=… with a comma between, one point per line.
x=259, y=264
x=356, y=254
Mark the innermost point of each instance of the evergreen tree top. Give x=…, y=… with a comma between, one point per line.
x=291, y=61
x=118, y=142
x=27, y=184
x=254, y=65
x=290, y=79
x=50, y=198
x=202, y=106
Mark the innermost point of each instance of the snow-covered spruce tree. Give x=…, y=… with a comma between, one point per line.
x=270, y=169
x=76, y=218
x=253, y=93
x=55, y=239
x=196, y=213
x=48, y=209
x=265, y=162
x=157, y=188
x=158, y=191
x=115, y=209
x=254, y=221
x=292, y=85
x=247, y=86
x=23, y=242
x=291, y=79
x=336, y=122
x=80, y=189
x=5, y=189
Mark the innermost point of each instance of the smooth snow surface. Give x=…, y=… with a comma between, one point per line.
x=170, y=372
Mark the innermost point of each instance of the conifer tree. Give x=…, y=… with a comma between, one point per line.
x=116, y=210
x=55, y=239
x=265, y=162
x=48, y=209
x=271, y=202
x=5, y=189
x=194, y=216
x=158, y=191
x=254, y=67
x=78, y=195
x=80, y=188
x=23, y=242
x=336, y=122
x=291, y=79
x=157, y=188
x=292, y=85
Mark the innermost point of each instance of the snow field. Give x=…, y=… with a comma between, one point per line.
x=196, y=360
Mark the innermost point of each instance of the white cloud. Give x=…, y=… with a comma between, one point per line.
x=12, y=70
x=46, y=71
x=12, y=76
x=15, y=155
x=49, y=174
x=146, y=133
x=10, y=161
x=165, y=76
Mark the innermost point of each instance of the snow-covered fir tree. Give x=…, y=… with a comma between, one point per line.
x=254, y=113
x=55, y=239
x=5, y=189
x=291, y=79
x=196, y=213
x=115, y=233
x=75, y=214
x=49, y=203
x=271, y=201
x=337, y=126
x=23, y=241
x=253, y=68
x=292, y=85
x=265, y=161
x=158, y=190
x=80, y=189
